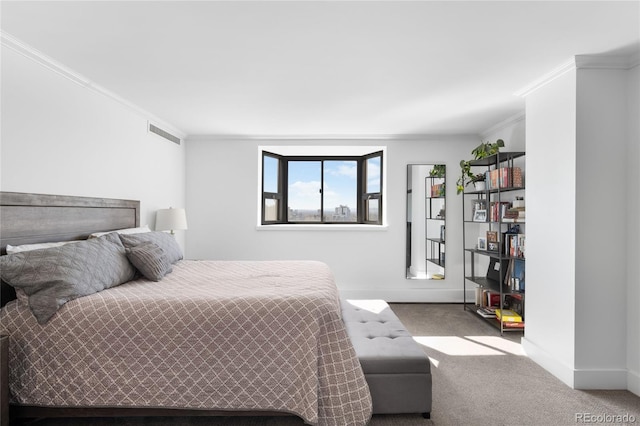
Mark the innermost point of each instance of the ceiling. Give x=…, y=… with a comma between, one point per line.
x=322, y=68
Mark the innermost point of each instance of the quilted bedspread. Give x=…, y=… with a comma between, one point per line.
x=217, y=335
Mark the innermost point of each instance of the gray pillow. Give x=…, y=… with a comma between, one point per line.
x=53, y=276
x=150, y=259
x=165, y=241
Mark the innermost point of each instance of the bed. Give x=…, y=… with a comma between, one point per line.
x=209, y=338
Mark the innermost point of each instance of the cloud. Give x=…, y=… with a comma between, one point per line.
x=346, y=168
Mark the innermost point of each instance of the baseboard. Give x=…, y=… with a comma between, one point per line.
x=633, y=382
x=600, y=379
x=581, y=378
x=548, y=362
x=410, y=295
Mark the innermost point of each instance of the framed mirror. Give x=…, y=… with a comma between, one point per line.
x=426, y=221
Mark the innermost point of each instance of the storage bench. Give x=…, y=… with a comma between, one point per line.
x=396, y=368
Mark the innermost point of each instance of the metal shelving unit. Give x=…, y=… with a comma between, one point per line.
x=474, y=256
x=434, y=221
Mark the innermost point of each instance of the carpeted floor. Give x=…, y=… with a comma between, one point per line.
x=479, y=378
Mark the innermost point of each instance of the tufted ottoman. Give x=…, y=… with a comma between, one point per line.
x=396, y=368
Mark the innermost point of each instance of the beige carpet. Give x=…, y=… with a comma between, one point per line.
x=479, y=378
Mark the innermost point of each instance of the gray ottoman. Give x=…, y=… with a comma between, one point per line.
x=396, y=368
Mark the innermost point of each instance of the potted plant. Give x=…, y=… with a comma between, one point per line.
x=438, y=171
x=487, y=149
x=465, y=177
x=478, y=182
x=484, y=150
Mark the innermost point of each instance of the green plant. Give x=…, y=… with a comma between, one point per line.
x=438, y=171
x=484, y=150
x=465, y=167
x=487, y=149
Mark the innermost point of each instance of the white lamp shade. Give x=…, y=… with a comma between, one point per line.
x=171, y=219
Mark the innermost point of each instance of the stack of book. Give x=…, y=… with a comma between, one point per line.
x=504, y=177
x=487, y=312
x=514, y=214
x=514, y=245
x=512, y=313
x=509, y=318
x=498, y=210
x=437, y=190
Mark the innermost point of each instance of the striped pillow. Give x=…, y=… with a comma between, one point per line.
x=150, y=259
x=162, y=239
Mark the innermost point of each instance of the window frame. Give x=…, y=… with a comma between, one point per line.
x=280, y=195
x=368, y=196
x=283, y=182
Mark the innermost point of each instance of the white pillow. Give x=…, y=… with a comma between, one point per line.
x=125, y=231
x=28, y=247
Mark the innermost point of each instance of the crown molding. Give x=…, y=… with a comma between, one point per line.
x=567, y=66
x=607, y=61
x=621, y=62
x=335, y=138
x=51, y=64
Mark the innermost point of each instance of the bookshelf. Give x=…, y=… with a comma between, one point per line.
x=435, y=223
x=494, y=242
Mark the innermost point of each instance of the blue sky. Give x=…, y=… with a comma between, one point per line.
x=339, y=184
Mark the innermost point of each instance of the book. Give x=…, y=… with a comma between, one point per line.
x=495, y=272
x=486, y=313
x=509, y=274
x=518, y=273
x=490, y=298
x=519, y=325
x=507, y=315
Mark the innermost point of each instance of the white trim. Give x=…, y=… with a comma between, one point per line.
x=569, y=65
x=318, y=227
x=334, y=138
x=322, y=150
x=600, y=379
x=633, y=382
x=541, y=357
x=607, y=62
x=51, y=64
x=583, y=62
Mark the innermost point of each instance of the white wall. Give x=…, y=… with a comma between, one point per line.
x=582, y=199
x=58, y=137
x=633, y=233
x=222, y=185
x=511, y=131
x=601, y=219
x=550, y=201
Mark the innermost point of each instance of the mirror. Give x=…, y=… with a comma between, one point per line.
x=425, y=221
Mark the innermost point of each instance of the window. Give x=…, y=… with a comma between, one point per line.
x=322, y=189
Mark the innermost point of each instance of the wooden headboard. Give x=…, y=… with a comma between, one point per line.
x=39, y=218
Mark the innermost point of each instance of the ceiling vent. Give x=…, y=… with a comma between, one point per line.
x=162, y=133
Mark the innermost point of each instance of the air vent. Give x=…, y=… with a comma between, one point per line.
x=168, y=136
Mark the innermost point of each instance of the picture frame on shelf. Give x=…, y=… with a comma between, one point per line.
x=478, y=204
x=482, y=243
x=480, y=216
x=493, y=246
x=492, y=236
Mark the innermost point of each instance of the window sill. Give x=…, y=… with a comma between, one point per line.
x=310, y=227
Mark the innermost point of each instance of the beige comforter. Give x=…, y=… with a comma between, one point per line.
x=211, y=335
